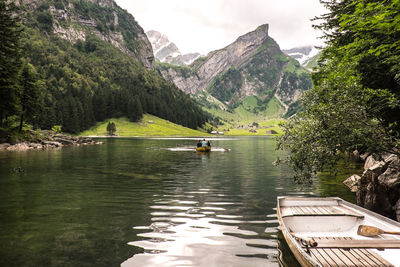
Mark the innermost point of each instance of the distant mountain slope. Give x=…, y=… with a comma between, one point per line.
x=306, y=55
x=252, y=66
x=74, y=20
x=95, y=62
x=168, y=52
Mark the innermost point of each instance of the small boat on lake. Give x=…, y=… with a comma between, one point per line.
x=334, y=232
x=203, y=149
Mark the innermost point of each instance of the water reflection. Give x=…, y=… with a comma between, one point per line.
x=148, y=202
x=188, y=231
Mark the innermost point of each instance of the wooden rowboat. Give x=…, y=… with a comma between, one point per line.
x=334, y=232
x=203, y=149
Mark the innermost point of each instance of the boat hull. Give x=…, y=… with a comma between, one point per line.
x=323, y=232
x=203, y=149
x=298, y=254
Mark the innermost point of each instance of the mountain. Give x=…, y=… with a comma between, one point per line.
x=75, y=20
x=252, y=69
x=304, y=54
x=168, y=52
x=95, y=62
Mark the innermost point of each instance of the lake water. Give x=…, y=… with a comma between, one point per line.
x=149, y=202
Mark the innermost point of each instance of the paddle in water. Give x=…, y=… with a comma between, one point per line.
x=366, y=230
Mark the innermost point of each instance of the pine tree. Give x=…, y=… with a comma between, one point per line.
x=10, y=61
x=30, y=98
x=111, y=128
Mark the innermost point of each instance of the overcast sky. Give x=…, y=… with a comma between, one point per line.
x=206, y=25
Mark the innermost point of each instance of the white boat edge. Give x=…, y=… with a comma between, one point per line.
x=371, y=218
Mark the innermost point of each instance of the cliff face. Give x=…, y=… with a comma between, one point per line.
x=253, y=65
x=75, y=20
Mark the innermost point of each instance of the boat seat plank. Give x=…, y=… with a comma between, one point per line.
x=362, y=253
x=354, y=259
x=347, y=261
x=315, y=253
x=341, y=256
x=375, y=258
x=376, y=243
x=324, y=258
x=317, y=211
x=338, y=261
x=349, y=258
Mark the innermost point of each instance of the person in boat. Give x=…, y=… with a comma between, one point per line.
x=199, y=144
x=204, y=143
x=208, y=143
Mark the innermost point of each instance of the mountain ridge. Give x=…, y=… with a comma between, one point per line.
x=253, y=65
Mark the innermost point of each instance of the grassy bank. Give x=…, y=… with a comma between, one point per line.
x=149, y=126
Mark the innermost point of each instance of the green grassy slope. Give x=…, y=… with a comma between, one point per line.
x=158, y=127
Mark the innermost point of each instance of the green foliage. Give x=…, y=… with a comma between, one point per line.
x=30, y=95
x=77, y=85
x=111, y=128
x=57, y=128
x=10, y=62
x=368, y=32
x=226, y=85
x=355, y=102
x=45, y=20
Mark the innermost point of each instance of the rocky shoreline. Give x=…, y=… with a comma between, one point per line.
x=48, y=140
x=378, y=188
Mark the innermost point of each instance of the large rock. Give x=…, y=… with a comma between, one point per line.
x=396, y=209
x=4, y=146
x=19, y=147
x=379, y=186
x=369, y=162
x=48, y=139
x=352, y=182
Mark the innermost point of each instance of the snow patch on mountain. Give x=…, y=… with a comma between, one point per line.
x=167, y=51
x=302, y=54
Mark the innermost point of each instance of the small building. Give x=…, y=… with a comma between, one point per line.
x=214, y=132
x=221, y=133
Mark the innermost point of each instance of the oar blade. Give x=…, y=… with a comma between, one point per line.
x=366, y=230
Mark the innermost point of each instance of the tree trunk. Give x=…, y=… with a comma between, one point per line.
x=21, y=120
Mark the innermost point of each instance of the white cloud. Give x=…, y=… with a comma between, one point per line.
x=206, y=25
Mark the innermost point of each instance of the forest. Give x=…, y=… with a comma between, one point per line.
x=47, y=81
x=355, y=101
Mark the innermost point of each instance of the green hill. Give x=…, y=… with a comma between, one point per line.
x=149, y=125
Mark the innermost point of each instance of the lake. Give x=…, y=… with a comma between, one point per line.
x=150, y=202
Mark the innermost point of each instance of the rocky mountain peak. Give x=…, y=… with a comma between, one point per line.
x=221, y=60
x=166, y=51
x=252, y=66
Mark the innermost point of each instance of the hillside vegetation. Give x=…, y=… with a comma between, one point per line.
x=77, y=62
x=355, y=101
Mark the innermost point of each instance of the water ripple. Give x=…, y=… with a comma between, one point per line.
x=204, y=233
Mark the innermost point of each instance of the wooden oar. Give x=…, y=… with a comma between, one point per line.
x=366, y=230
